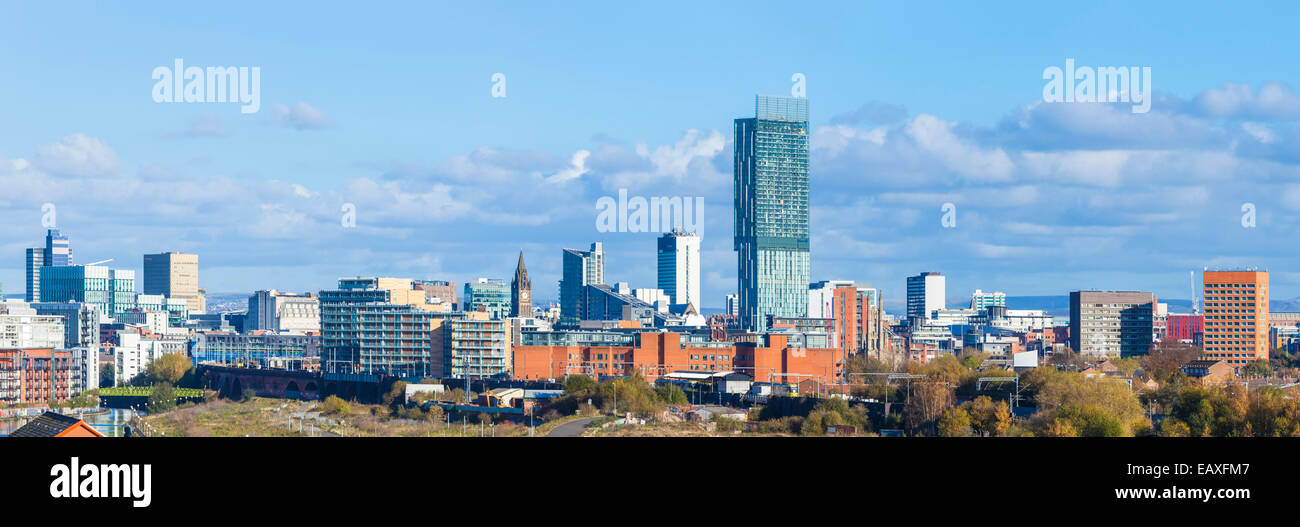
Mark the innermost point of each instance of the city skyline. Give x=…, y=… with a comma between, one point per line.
x=1049, y=198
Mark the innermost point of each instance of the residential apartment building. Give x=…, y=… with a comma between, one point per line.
x=37, y=375
x=771, y=210
x=1236, y=312
x=678, y=262
x=371, y=327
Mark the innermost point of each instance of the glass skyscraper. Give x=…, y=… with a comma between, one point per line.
x=581, y=268
x=771, y=207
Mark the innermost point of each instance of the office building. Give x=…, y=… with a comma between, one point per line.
x=733, y=304
x=58, y=250
x=581, y=268
x=1115, y=324
x=521, y=291
x=771, y=210
x=980, y=300
x=926, y=292
x=488, y=296
x=277, y=311
x=1236, y=316
x=174, y=275
x=679, y=267
x=443, y=290
x=112, y=291
x=35, y=261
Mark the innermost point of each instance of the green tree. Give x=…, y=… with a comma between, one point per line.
x=671, y=394
x=163, y=397
x=107, y=375
x=1259, y=368
x=334, y=405
x=578, y=383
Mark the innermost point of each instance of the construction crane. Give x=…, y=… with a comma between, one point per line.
x=101, y=262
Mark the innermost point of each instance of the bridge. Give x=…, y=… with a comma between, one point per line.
x=291, y=384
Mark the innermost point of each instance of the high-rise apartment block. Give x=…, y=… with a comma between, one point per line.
x=679, y=267
x=1111, y=323
x=771, y=210
x=174, y=275
x=1236, y=316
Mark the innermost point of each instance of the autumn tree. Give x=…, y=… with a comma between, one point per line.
x=988, y=417
x=928, y=400
x=168, y=368
x=954, y=422
x=1166, y=358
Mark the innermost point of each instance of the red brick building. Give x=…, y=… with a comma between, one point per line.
x=35, y=375
x=652, y=354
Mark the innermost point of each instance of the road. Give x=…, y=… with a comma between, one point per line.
x=573, y=429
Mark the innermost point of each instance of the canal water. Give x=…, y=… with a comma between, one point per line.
x=111, y=422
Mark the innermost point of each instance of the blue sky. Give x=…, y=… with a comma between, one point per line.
x=388, y=106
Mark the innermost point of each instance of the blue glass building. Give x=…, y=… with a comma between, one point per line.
x=771, y=210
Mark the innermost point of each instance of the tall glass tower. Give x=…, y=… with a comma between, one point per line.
x=771, y=191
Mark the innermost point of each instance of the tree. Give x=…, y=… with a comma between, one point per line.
x=928, y=401
x=107, y=375
x=989, y=417
x=671, y=394
x=1172, y=427
x=334, y=405
x=168, y=368
x=578, y=383
x=1259, y=368
x=1166, y=358
x=954, y=422
x=163, y=398
x=1069, y=360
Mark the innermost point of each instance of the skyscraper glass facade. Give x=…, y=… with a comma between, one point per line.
x=581, y=268
x=489, y=296
x=771, y=210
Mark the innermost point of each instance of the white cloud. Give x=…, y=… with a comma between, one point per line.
x=77, y=155
x=302, y=117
